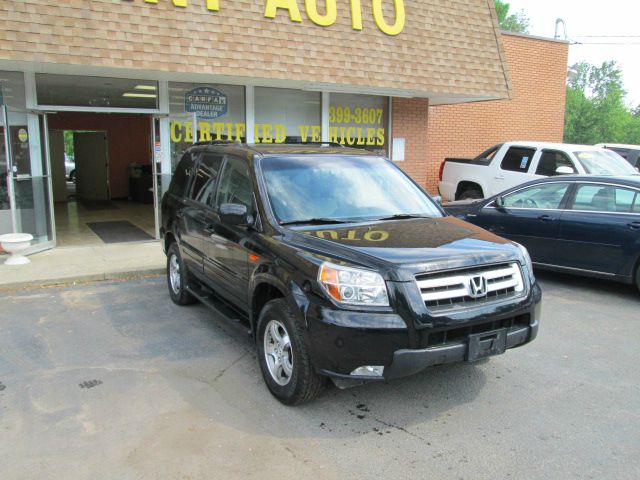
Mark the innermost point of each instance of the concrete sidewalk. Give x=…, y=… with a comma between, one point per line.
x=81, y=264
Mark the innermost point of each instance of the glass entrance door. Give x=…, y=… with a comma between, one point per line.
x=26, y=185
x=161, y=164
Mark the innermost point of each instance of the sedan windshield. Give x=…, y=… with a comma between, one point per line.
x=604, y=162
x=316, y=189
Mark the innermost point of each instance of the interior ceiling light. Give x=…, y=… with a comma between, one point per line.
x=145, y=87
x=139, y=95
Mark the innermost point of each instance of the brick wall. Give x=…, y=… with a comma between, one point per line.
x=446, y=47
x=537, y=69
x=409, y=121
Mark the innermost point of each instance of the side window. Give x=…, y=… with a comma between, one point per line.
x=517, y=159
x=235, y=184
x=550, y=161
x=547, y=196
x=604, y=198
x=636, y=203
x=181, y=176
x=204, y=183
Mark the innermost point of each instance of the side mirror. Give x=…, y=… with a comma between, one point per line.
x=235, y=214
x=437, y=199
x=564, y=170
x=499, y=202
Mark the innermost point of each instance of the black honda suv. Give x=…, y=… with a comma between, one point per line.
x=340, y=264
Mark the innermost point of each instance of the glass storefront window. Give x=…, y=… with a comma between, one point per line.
x=204, y=112
x=11, y=94
x=98, y=92
x=359, y=121
x=287, y=116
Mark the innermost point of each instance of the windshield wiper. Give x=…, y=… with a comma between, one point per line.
x=403, y=216
x=314, y=221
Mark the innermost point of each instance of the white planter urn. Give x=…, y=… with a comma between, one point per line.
x=14, y=243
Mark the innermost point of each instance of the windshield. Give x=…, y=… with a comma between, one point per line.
x=604, y=162
x=341, y=188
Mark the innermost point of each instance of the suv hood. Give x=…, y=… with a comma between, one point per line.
x=401, y=248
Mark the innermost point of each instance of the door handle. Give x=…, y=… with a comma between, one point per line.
x=545, y=218
x=634, y=225
x=499, y=177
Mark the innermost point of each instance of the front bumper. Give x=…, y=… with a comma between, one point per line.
x=337, y=350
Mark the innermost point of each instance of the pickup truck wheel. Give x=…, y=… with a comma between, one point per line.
x=283, y=356
x=177, y=277
x=470, y=194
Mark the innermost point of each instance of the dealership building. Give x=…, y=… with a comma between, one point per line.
x=127, y=85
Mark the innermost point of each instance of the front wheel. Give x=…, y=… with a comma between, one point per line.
x=283, y=356
x=177, y=277
x=470, y=194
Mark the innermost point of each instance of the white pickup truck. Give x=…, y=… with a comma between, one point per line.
x=509, y=164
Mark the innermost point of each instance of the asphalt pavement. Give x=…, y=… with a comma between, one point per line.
x=113, y=381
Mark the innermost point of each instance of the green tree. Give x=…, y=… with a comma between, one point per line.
x=514, y=22
x=595, y=107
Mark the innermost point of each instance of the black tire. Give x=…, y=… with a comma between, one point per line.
x=470, y=194
x=177, y=283
x=303, y=384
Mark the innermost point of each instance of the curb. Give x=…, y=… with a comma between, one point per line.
x=80, y=279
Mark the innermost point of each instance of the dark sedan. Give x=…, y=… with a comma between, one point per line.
x=586, y=225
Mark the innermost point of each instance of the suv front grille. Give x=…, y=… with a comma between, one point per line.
x=436, y=338
x=468, y=287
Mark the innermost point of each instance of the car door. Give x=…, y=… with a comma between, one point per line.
x=226, y=257
x=514, y=169
x=600, y=229
x=528, y=216
x=193, y=214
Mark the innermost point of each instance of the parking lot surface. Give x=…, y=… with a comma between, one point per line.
x=112, y=380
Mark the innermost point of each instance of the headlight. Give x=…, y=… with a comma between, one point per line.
x=527, y=261
x=352, y=286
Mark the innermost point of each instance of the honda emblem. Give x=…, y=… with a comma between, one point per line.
x=478, y=286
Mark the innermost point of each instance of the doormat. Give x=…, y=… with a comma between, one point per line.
x=99, y=205
x=118, y=231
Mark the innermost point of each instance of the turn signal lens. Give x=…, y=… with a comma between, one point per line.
x=352, y=286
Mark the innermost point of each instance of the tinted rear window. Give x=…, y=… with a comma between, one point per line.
x=517, y=159
x=181, y=176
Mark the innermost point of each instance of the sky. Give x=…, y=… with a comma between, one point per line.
x=590, y=17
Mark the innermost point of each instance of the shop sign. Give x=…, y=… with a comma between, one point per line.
x=330, y=16
x=23, y=136
x=206, y=102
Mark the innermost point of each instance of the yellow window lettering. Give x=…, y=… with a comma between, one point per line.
x=351, y=131
x=304, y=133
x=380, y=135
x=204, y=131
x=370, y=136
x=376, y=236
x=361, y=139
x=176, y=132
x=256, y=132
x=218, y=127
x=316, y=134
x=267, y=132
x=213, y=5
x=240, y=131
x=329, y=18
x=356, y=15
x=333, y=235
x=281, y=133
x=188, y=137
x=343, y=135
x=397, y=27
x=272, y=6
x=333, y=134
x=229, y=131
